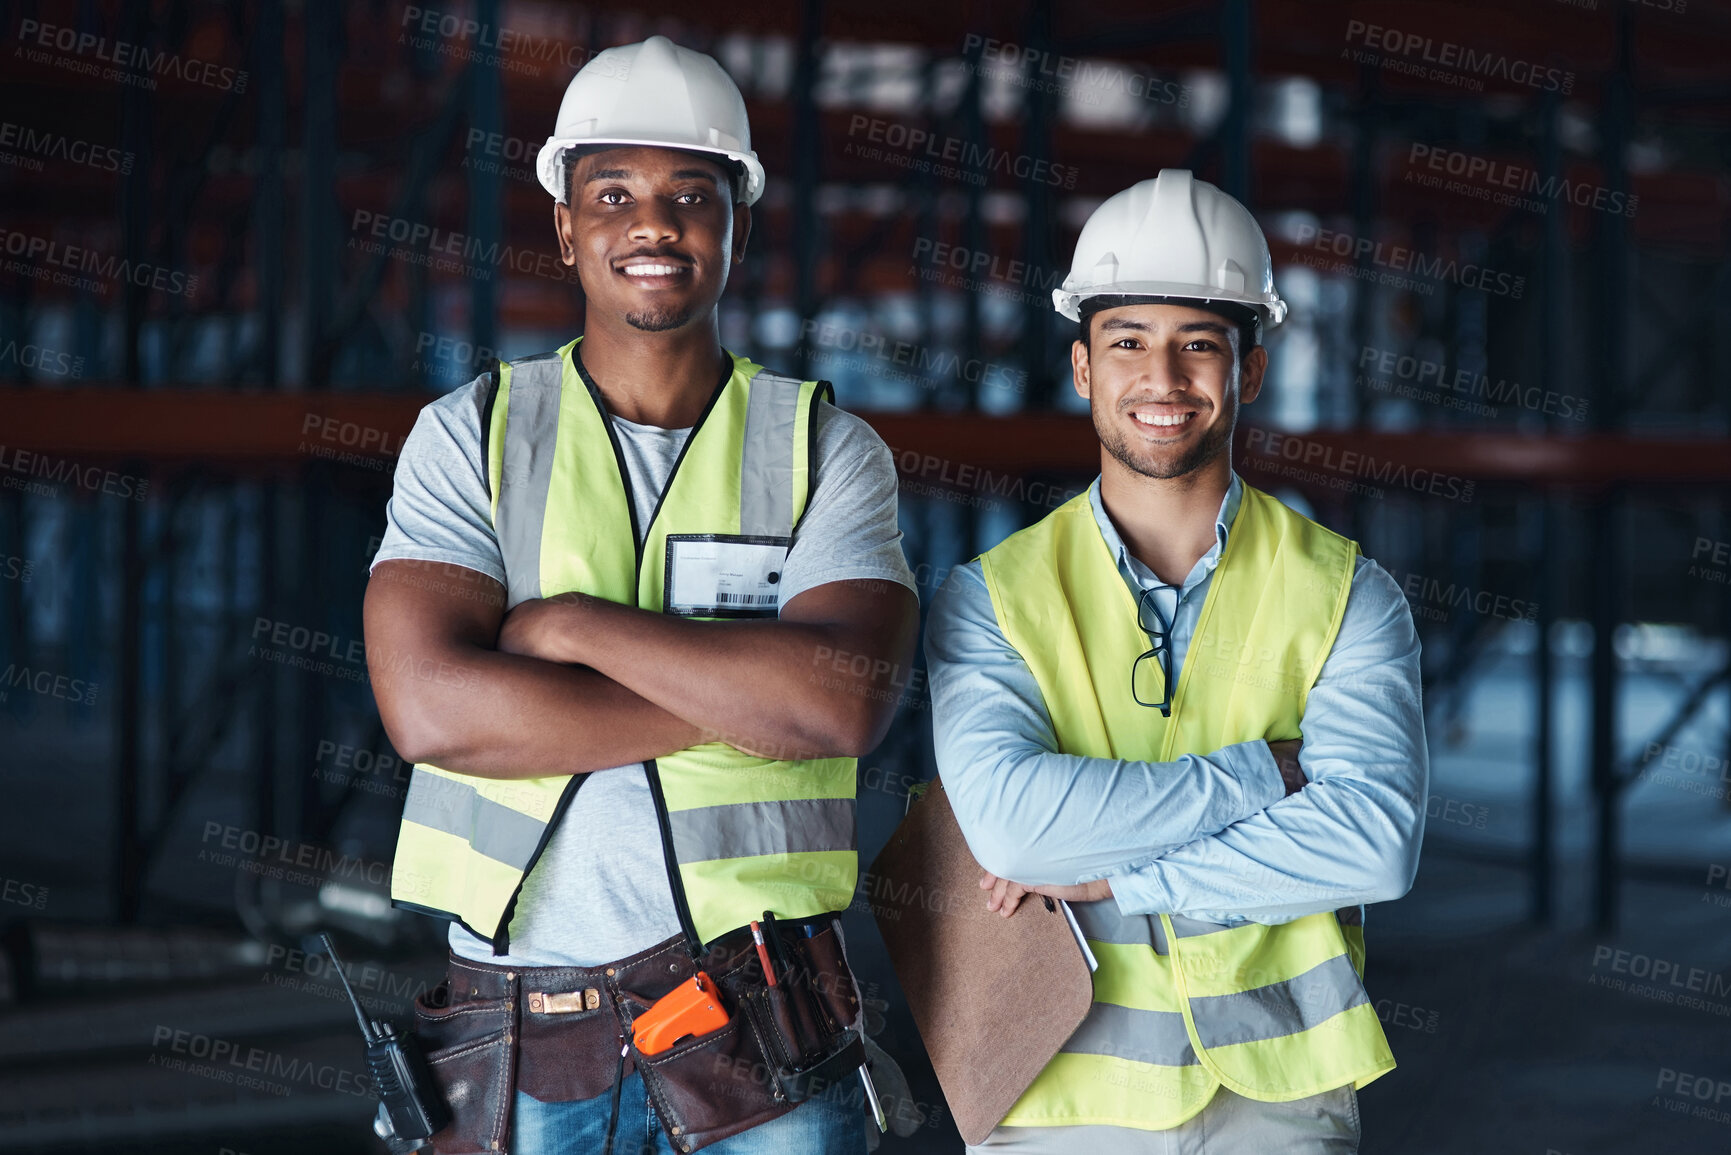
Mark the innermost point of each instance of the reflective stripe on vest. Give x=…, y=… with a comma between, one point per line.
x=749, y=834
x=455, y=807
x=1183, y=1006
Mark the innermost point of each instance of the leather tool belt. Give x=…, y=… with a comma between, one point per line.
x=557, y=1034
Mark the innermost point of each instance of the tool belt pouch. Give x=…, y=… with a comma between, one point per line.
x=808, y=1019
x=713, y=1086
x=570, y=1045
x=781, y=1046
x=469, y=1047
x=804, y=1068
x=830, y=977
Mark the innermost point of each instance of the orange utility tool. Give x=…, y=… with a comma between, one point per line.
x=691, y=1008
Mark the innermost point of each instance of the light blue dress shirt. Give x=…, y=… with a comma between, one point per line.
x=1212, y=836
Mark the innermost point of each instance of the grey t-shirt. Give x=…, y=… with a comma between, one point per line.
x=599, y=891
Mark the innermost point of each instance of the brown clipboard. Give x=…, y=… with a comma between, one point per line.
x=994, y=998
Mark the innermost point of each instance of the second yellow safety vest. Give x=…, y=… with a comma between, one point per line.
x=1183, y=1007
x=747, y=834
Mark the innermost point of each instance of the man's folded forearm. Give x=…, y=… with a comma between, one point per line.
x=1042, y=818
x=768, y=687
x=1338, y=842
x=498, y=715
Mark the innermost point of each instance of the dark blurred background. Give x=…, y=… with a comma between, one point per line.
x=241, y=244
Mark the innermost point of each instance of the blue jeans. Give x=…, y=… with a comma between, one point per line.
x=831, y=1124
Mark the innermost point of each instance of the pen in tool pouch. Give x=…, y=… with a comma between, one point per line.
x=763, y=953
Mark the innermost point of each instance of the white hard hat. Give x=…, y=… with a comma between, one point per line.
x=1173, y=236
x=654, y=93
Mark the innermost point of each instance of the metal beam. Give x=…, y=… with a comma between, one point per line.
x=1610, y=309
x=1235, y=22
x=1037, y=226
x=974, y=240
x=807, y=154
x=321, y=30
x=1553, y=293
x=269, y=215
x=135, y=197
x=486, y=195
x=85, y=425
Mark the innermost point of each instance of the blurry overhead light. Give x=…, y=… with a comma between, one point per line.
x=777, y=327
x=881, y=77
x=1648, y=155
x=1102, y=97
x=354, y=900
x=1662, y=643
x=1289, y=225
x=880, y=200
x=1206, y=107
x=735, y=53
x=833, y=198
x=1294, y=111
x=1003, y=208
x=1575, y=129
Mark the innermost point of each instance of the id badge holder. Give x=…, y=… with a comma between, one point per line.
x=711, y=575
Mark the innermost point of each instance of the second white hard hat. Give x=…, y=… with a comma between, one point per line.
x=653, y=93
x=1173, y=236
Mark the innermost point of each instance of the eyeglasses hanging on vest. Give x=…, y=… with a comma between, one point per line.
x=1160, y=639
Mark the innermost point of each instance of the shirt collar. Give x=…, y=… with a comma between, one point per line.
x=1139, y=575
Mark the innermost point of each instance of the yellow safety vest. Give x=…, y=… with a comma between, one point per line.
x=1182, y=1007
x=748, y=834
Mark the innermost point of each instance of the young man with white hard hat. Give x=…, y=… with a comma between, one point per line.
x=593, y=624
x=1194, y=714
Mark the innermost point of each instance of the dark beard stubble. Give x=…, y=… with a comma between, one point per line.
x=660, y=320
x=1204, y=451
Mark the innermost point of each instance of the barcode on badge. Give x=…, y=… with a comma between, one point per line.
x=726, y=599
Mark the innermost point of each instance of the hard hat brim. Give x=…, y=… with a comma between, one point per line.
x=1068, y=302
x=548, y=169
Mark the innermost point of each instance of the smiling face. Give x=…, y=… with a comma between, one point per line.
x=652, y=233
x=1164, y=383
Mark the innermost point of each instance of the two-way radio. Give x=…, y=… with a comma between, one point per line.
x=410, y=1103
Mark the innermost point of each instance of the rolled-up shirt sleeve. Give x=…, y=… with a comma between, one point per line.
x=1038, y=816
x=849, y=531
x=1352, y=835
x=440, y=509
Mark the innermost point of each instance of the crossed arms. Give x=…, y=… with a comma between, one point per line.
x=573, y=684
x=1216, y=836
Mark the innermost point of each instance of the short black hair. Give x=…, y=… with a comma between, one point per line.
x=734, y=169
x=1247, y=320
